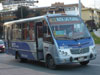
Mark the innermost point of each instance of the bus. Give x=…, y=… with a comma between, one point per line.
x=55, y=39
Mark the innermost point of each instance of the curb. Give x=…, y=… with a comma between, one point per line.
x=97, y=33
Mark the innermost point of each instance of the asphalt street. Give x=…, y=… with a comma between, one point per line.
x=10, y=66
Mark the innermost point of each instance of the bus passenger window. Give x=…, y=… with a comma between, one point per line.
x=31, y=31
x=28, y=31
x=46, y=32
x=45, y=26
x=16, y=32
x=47, y=35
x=25, y=29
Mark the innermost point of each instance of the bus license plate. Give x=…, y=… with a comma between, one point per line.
x=81, y=59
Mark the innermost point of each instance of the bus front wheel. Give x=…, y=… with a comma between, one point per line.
x=50, y=62
x=84, y=63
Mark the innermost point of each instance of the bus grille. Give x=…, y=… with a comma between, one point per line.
x=80, y=50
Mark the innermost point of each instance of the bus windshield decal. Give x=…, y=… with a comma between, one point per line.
x=62, y=23
x=63, y=19
x=59, y=33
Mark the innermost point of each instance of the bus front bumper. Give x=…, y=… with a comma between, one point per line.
x=75, y=58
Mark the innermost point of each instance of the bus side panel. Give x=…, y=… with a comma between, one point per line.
x=8, y=49
x=25, y=49
x=28, y=55
x=50, y=49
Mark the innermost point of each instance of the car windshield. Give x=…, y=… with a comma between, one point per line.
x=69, y=29
x=1, y=42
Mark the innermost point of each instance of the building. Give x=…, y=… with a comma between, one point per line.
x=7, y=15
x=14, y=4
x=89, y=14
x=70, y=9
x=4, y=17
x=1, y=7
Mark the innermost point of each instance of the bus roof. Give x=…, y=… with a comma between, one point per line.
x=22, y=20
x=35, y=18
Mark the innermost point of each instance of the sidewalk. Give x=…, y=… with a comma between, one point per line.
x=97, y=33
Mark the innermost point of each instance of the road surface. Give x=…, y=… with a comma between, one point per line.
x=10, y=66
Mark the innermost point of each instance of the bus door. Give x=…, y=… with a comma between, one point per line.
x=39, y=40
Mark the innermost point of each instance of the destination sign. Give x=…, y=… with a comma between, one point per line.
x=63, y=19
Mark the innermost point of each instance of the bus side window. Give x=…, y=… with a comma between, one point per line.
x=16, y=32
x=25, y=31
x=31, y=31
x=47, y=33
x=45, y=26
x=28, y=31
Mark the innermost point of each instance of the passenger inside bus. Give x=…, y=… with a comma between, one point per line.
x=40, y=35
x=46, y=32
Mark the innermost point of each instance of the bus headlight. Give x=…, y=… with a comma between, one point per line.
x=93, y=49
x=63, y=53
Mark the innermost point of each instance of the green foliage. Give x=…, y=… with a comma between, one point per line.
x=1, y=0
x=96, y=39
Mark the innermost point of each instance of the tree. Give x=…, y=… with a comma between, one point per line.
x=91, y=25
x=22, y=12
x=1, y=0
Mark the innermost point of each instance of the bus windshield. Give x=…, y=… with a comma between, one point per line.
x=68, y=28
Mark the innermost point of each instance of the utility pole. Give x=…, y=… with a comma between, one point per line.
x=80, y=8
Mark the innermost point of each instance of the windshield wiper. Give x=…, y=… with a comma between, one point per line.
x=81, y=38
x=68, y=38
x=63, y=38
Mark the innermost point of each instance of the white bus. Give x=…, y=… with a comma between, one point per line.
x=54, y=39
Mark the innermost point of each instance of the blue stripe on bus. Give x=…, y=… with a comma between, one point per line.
x=23, y=48
x=75, y=43
x=23, y=54
x=20, y=45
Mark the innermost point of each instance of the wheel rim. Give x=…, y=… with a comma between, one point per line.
x=50, y=63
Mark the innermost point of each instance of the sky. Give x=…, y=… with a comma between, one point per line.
x=87, y=3
x=1, y=6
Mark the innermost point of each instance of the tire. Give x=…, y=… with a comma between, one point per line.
x=84, y=63
x=50, y=63
x=18, y=57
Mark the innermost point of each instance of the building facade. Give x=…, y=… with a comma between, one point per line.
x=89, y=14
x=14, y=4
x=4, y=17
x=70, y=9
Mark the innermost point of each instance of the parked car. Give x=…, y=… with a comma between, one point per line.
x=2, y=46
